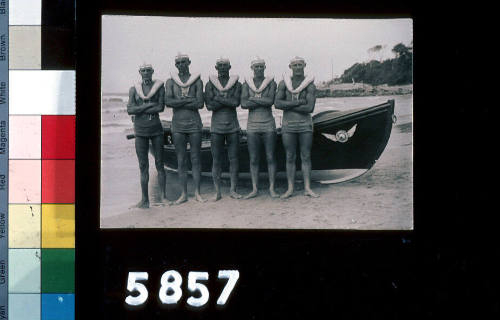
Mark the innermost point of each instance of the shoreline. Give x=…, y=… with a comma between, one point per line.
x=361, y=90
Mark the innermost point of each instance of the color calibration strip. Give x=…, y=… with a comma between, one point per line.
x=4, y=157
x=41, y=198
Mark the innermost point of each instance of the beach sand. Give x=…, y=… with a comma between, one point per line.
x=381, y=199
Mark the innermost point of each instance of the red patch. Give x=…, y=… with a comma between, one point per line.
x=58, y=181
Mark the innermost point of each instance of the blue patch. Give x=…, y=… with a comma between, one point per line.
x=58, y=306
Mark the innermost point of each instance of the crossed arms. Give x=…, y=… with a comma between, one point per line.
x=301, y=106
x=147, y=107
x=215, y=102
x=251, y=103
x=191, y=103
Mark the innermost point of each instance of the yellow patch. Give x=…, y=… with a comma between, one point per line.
x=58, y=225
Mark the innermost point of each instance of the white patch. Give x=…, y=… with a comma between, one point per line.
x=42, y=92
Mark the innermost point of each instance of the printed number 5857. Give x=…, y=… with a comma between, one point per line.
x=170, y=291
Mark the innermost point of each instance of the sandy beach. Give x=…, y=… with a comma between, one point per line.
x=381, y=199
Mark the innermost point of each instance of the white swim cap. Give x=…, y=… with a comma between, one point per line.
x=222, y=60
x=297, y=59
x=257, y=60
x=180, y=56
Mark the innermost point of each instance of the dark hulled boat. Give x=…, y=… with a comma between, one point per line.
x=352, y=139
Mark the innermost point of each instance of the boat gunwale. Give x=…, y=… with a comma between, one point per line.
x=346, y=117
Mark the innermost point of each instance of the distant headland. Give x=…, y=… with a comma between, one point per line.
x=374, y=78
x=361, y=90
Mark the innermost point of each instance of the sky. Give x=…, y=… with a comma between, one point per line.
x=329, y=46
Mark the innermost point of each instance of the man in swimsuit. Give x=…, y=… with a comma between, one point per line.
x=257, y=95
x=144, y=104
x=222, y=97
x=184, y=94
x=296, y=97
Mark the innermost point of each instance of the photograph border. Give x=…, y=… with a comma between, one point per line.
x=375, y=257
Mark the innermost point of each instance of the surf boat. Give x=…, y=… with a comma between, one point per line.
x=352, y=139
x=343, y=140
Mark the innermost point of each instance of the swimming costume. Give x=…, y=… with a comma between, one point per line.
x=193, y=125
x=147, y=124
x=260, y=119
x=261, y=126
x=185, y=120
x=224, y=120
x=294, y=122
x=297, y=126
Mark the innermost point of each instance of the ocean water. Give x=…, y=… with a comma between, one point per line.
x=114, y=117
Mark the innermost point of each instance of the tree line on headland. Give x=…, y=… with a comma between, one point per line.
x=391, y=76
x=397, y=71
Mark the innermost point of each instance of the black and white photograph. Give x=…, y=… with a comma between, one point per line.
x=256, y=123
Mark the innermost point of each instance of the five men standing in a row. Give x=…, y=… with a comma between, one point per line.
x=183, y=92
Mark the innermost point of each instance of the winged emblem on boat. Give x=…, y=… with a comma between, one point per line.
x=341, y=136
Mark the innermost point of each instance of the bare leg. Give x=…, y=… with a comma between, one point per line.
x=157, y=142
x=253, y=140
x=217, y=145
x=305, y=139
x=195, y=143
x=270, y=145
x=290, y=145
x=232, y=151
x=141, y=149
x=180, y=142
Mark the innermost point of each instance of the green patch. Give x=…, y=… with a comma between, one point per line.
x=58, y=270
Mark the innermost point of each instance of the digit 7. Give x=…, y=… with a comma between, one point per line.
x=232, y=276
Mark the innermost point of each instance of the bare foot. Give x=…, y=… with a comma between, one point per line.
x=182, y=199
x=287, y=194
x=273, y=193
x=217, y=197
x=165, y=201
x=310, y=193
x=235, y=195
x=252, y=194
x=198, y=198
x=143, y=204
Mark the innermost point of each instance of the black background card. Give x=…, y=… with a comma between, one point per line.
x=58, y=35
x=440, y=268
